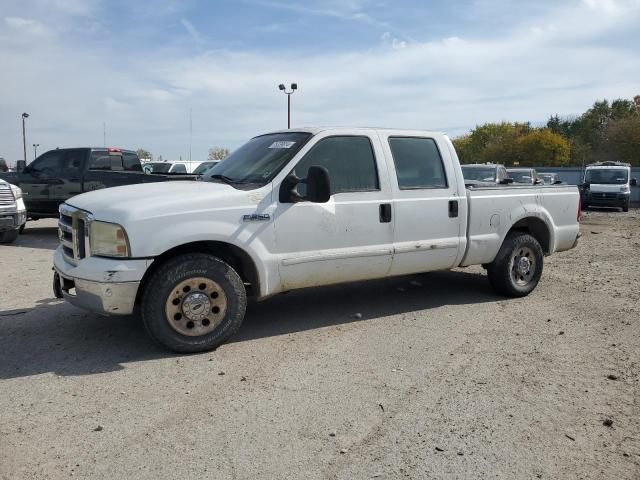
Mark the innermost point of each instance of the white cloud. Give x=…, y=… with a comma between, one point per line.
x=558, y=62
x=25, y=25
x=191, y=30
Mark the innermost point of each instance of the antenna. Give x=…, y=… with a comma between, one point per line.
x=190, y=133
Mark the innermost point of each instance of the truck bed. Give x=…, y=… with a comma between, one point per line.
x=494, y=210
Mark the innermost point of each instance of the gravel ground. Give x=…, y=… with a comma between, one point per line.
x=428, y=376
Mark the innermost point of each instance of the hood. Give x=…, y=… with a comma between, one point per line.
x=148, y=200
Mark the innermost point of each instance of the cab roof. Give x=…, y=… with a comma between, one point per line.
x=317, y=130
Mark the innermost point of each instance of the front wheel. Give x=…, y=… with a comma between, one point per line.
x=193, y=303
x=9, y=236
x=516, y=270
x=625, y=207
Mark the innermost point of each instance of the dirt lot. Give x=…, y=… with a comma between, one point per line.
x=439, y=378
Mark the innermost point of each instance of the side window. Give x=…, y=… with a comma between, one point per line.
x=179, y=168
x=100, y=160
x=418, y=163
x=48, y=165
x=131, y=162
x=116, y=163
x=349, y=160
x=72, y=163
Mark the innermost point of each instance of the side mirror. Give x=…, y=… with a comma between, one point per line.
x=634, y=182
x=318, y=185
x=506, y=181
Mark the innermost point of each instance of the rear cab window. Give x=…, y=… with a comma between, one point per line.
x=418, y=163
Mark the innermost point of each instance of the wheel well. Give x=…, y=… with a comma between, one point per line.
x=234, y=256
x=537, y=229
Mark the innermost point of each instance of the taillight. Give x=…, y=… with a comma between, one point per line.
x=579, y=208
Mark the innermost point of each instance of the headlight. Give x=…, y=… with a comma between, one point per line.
x=625, y=189
x=108, y=240
x=17, y=192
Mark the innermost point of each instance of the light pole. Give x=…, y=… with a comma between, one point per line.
x=35, y=150
x=294, y=87
x=24, y=137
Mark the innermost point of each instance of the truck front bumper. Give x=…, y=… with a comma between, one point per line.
x=12, y=221
x=100, y=285
x=606, y=199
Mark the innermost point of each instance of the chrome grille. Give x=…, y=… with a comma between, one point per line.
x=73, y=232
x=6, y=196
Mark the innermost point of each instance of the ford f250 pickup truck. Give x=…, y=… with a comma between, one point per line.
x=294, y=209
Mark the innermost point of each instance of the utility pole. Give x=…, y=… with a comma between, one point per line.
x=104, y=134
x=24, y=137
x=190, y=134
x=294, y=87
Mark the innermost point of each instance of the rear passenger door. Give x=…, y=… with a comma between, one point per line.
x=426, y=205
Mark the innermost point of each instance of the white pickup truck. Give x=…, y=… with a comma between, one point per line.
x=295, y=209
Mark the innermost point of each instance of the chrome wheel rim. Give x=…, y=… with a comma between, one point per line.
x=196, y=306
x=523, y=266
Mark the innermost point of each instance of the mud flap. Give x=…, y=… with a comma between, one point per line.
x=57, y=287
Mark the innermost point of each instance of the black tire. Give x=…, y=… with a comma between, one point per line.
x=8, y=236
x=162, y=285
x=22, y=227
x=504, y=276
x=625, y=207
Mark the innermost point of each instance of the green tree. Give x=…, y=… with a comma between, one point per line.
x=542, y=148
x=144, y=154
x=218, y=153
x=492, y=142
x=624, y=140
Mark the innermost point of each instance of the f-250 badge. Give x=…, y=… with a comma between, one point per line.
x=256, y=217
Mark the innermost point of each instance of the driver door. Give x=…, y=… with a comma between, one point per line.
x=348, y=238
x=38, y=180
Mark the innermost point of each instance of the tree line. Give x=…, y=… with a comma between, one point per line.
x=606, y=131
x=215, y=153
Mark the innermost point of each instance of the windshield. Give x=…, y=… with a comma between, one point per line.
x=606, y=175
x=203, y=167
x=521, y=176
x=156, y=167
x=258, y=160
x=481, y=174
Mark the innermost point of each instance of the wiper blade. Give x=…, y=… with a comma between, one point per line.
x=224, y=178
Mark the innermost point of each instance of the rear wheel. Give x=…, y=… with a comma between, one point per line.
x=193, y=303
x=516, y=270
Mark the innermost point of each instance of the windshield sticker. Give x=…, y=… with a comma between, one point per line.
x=282, y=144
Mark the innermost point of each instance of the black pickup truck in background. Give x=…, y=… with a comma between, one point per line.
x=57, y=175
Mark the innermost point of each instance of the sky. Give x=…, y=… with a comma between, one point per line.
x=141, y=70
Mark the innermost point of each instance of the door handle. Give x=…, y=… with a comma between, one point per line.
x=453, y=208
x=385, y=212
